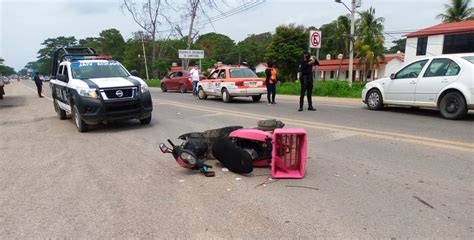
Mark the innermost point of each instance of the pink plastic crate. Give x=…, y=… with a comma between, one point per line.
x=289, y=153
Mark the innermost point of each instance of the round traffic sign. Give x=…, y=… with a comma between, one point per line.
x=315, y=40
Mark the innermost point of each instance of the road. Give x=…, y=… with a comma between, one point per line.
x=398, y=173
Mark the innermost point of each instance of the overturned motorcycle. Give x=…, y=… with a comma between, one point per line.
x=241, y=149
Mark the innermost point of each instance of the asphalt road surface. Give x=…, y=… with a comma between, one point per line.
x=397, y=173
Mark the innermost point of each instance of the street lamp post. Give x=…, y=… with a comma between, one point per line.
x=351, y=37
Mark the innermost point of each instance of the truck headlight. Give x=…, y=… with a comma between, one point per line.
x=144, y=88
x=92, y=93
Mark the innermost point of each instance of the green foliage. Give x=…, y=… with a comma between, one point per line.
x=153, y=83
x=369, y=46
x=286, y=50
x=400, y=45
x=262, y=75
x=252, y=49
x=217, y=46
x=5, y=70
x=330, y=88
x=45, y=54
x=162, y=66
x=457, y=11
x=335, y=36
x=112, y=43
x=133, y=57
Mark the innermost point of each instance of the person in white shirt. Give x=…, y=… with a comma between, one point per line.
x=195, y=78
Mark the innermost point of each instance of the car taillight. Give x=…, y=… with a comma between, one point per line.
x=239, y=84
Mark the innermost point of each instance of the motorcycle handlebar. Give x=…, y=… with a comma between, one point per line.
x=171, y=143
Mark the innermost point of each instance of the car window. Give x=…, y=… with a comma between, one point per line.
x=470, y=59
x=242, y=73
x=411, y=71
x=442, y=67
x=213, y=74
x=222, y=74
x=179, y=74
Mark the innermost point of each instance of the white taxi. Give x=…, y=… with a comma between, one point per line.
x=230, y=82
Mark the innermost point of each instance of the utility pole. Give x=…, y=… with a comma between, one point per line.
x=351, y=39
x=144, y=56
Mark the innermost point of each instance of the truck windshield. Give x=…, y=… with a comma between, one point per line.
x=242, y=73
x=109, y=69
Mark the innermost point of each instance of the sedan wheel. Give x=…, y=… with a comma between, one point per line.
x=453, y=106
x=226, y=96
x=163, y=87
x=201, y=94
x=374, y=100
x=182, y=89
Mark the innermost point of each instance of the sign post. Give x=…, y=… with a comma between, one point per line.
x=315, y=42
x=191, y=54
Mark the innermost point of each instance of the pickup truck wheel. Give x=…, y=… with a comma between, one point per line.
x=76, y=116
x=226, y=96
x=163, y=87
x=182, y=88
x=145, y=121
x=374, y=100
x=453, y=106
x=257, y=98
x=201, y=94
x=61, y=113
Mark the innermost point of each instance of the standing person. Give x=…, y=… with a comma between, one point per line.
x=306, y=80
x=2, y=85
x=271, y=81
x=39, y=85
x=195, y=79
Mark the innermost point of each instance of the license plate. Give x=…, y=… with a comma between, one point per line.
x=251, y=84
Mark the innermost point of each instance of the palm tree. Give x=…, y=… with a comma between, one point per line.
x=343, y=31
x=458, y=11
x=369, y=45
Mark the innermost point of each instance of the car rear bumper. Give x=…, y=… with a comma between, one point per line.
x=247, y=91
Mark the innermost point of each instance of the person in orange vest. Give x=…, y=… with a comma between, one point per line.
x=271, y=81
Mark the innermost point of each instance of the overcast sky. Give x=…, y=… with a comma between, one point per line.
x=25, y=24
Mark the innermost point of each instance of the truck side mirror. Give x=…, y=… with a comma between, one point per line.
x=392, y=76
x=134, y=73
x=62, y=77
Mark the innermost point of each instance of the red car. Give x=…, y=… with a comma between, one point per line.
x=177, y=81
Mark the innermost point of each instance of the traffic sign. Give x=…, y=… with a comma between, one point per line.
x=315, y=39
x=191, y=54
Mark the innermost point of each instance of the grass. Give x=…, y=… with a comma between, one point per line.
x=153, y=83
x=331, y=88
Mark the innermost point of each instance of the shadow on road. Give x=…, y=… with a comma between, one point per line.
x=426, y=112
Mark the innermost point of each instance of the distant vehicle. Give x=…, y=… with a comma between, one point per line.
x=230, y=82
x=96, y=88
x=444, y=82
x=6, y=80
x=177, y=81
x=46, y=78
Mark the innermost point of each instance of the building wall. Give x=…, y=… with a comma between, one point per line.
x=391, y=67
x=434, y=47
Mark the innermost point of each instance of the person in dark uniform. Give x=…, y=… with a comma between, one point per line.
x=306, y=80
x=39, y=84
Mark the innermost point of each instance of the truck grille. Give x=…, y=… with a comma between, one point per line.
x=118, y=93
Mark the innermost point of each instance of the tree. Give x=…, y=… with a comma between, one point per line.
x=253, y=49
x=287, y=47
x=162, y=66
x=369, y=45
x=191, y=11
x=133, y=56
x=146, y=16
x=45, y=54
x=218, y=46
x=91, y=42
x=112, y=43
x=400, y=45
x=457, y=11
x=5, y=70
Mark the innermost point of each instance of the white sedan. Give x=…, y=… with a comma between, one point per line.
x=444, y=82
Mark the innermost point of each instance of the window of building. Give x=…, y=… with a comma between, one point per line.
x=421, y=46
x=459, y=43
x=332, y=74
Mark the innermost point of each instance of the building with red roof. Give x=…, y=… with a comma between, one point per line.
x=444, y=38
